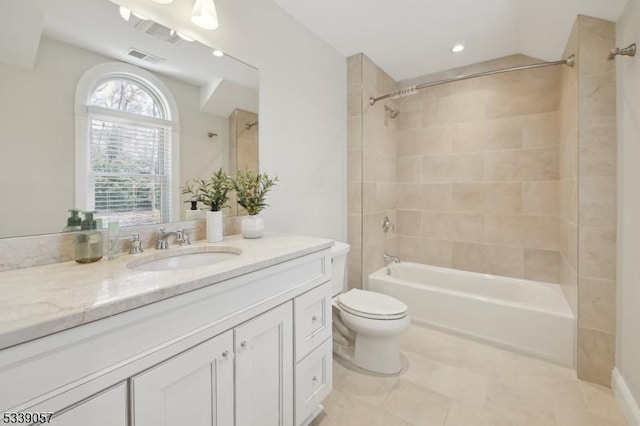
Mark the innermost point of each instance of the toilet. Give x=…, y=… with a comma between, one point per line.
x=367, y=324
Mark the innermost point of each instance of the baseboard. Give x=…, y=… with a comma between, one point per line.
x=625, y=399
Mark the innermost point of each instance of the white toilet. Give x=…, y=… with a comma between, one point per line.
x=367, y=324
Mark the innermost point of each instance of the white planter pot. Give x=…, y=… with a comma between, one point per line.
x=252, y=226
x=214, y=227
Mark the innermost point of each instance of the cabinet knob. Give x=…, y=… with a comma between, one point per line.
x=314, y=318
x=243, y=345
x=314, y=379
x=225, y=354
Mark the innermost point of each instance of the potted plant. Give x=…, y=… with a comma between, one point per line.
x=214, y=193
x=251, y=189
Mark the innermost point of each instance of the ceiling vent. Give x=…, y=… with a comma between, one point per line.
x=158, y=31
x=138, y=54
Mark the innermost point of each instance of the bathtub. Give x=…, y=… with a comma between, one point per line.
x=530, y=317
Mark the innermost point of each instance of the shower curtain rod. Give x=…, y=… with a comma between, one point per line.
x=571, y=60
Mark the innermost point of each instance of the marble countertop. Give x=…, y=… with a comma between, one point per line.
x=38, y=301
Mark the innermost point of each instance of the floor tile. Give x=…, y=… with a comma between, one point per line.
x=417, y=405
x=601, y=402
x=450, y=381
x=342, y=409
x=418, y=368
x=371, y=389
x=459, y=384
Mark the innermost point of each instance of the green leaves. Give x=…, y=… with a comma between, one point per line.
x=213, y=192
x=252, y=189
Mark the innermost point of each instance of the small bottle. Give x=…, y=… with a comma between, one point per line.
x=88, y=247
x=74, y=222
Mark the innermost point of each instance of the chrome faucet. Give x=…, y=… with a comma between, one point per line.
x=183, y=238
x=390, y=259
x=162, y=242
x=136, y=244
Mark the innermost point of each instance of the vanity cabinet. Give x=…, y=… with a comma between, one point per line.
x=254, y=350
x=264, y=369
x=194, y=388
x=108, y=408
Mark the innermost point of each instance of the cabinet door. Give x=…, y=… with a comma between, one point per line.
x=264, y=369
x=194, y=388
x=106, y=409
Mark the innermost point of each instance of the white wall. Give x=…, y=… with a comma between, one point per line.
x=37, y=159
x=628, y=296
x=302, y=107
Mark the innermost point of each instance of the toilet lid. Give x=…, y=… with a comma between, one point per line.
x=370, y=304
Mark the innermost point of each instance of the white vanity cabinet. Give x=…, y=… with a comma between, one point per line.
x=194, y=388
x=108, y=408
x=264, y=369
x=254, y=350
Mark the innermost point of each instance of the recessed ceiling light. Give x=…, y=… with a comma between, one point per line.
x=218, y=53
x=457, y=48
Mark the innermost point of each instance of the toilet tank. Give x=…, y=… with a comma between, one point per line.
x=339, y=253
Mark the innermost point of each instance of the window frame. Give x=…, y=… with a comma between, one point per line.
x=87, y=84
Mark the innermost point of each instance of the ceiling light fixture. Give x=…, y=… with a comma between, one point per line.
x=163, y=1
x=218, y=53
x=457, y=48
x=204, y=14
x=125, y=13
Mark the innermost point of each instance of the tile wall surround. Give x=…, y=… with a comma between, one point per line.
x=597, y=199
x=478, y=170
x=513, y=174
x=39, y=250
x=371, y=168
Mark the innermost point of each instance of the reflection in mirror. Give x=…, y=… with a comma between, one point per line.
x=113, y=115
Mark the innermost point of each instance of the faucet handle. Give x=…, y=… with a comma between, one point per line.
x=136, y=244
x=183, y=236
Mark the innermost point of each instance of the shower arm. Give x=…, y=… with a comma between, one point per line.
x=570, y=61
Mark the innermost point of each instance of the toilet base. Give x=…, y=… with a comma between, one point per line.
x=380, y=355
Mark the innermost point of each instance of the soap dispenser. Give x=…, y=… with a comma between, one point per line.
x=88, y=242
x=193, y=213
x=74, y=222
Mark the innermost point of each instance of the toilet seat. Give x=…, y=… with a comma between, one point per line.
x=372, y=305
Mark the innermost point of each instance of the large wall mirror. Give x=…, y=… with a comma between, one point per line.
x=108, y=111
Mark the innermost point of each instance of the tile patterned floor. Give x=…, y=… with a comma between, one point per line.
x=451, y=381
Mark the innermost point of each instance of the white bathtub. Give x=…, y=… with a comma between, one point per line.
x=527, y=316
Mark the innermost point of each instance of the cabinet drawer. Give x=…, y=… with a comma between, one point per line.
x=313, y=380
x=312, y=319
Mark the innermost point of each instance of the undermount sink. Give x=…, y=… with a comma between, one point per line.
x=185, y=259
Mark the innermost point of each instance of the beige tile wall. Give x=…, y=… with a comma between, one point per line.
x=478, y=172
x=354, y=169
x=379, y=171
x=568, y=185
x=372, y=174
x=597, y=198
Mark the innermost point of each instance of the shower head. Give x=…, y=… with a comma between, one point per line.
x=393, y=113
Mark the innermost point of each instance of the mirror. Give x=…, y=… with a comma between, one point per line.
x=113, y=115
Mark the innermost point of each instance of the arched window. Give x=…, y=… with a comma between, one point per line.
x=126, y=156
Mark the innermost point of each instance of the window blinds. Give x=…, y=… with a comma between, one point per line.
x=130, y=168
